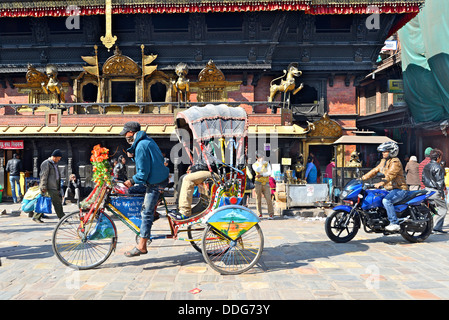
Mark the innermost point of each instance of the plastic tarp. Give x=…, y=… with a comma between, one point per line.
x=425, y=62
x=214, y=121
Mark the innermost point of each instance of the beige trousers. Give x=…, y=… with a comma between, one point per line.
x=264, y=190
x=188, y=187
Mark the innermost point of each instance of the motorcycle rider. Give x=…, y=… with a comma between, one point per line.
x=394, y=181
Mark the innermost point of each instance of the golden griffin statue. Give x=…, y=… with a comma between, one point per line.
x=182, y=86
x=288, y=84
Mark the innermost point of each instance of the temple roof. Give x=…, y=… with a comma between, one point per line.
x=39, y=8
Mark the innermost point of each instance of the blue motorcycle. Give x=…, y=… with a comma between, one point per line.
x=415, y=217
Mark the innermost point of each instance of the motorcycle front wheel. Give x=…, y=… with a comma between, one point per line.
x=341, y=226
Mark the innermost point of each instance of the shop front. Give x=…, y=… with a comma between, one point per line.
x=293, y=189
x=9, y=148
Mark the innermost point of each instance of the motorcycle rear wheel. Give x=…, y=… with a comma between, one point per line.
x=416, y=237
x=339, y=229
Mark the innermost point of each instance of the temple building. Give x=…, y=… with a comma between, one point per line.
x=406, y=97
x=73, y=72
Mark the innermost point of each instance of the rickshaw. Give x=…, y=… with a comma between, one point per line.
x=227, y=234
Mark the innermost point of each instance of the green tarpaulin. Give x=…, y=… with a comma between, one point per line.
x=425, y=62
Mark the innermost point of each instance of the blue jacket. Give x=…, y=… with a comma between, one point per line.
x=150, y=168
x=311, y=173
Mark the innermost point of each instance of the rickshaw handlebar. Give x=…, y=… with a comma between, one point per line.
x=227, y=165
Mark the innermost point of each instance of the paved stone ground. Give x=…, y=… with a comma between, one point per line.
x=298, y=262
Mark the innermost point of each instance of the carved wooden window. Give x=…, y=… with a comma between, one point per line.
x=333, y=24
x=158, y=92
x=220, y=22
x=308, y=94
x=89, y=92
x=170, y=22
x=123, y=91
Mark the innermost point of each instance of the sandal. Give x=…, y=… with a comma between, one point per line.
x=134, y=253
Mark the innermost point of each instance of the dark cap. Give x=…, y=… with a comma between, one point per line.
x=130, y=126
x=56, y=153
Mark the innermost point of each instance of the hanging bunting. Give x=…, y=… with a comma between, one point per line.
x=96, y=7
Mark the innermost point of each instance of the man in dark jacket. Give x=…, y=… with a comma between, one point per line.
x=50, y=182
x=14, y=166
x=150, y=171
x=433, y=180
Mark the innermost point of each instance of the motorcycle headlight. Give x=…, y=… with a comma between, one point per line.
x=344, y=194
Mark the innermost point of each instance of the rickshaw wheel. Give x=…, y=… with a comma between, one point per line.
x=195, y=233
x=75, y=248
x=228, y=256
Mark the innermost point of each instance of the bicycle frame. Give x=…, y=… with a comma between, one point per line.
x=174, y=225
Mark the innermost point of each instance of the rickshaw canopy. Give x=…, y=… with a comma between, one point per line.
x=213, y=121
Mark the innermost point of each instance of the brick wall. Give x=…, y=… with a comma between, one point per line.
x=341, y=98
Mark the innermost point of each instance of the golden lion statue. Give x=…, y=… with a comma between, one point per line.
x=286, y=85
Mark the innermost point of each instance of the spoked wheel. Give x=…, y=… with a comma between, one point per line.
x=342, y=227
x=228, y=256
x=83, y=247
x=195, y=234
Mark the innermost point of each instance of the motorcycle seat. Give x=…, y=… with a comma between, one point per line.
x=410, y=196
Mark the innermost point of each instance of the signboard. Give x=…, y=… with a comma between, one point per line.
x=398, y=99
x=286, y=161
x=390, y=45
x=14, y=144
x=396, y=86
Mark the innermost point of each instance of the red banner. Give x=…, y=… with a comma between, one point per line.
x=15, y=144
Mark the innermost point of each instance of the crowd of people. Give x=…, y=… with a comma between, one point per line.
x=430, y=174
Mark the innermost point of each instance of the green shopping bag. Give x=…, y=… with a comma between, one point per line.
x=103, y=229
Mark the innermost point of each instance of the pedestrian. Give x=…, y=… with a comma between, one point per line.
x=73, y=189
x=150, y=171
x=249, y=186
x=119, y=171
x=393, y=181
x=317, y=166
x=412, y=174
x=262, y=170
x=50, y=182
x=423, y=164
x=433, y=180
x=329, y=171
x=30, y=198
x=329, y=175
x=14, y=167
x=311, y=171
x=272, y=183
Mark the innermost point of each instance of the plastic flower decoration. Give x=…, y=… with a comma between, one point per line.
x=100, y=166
